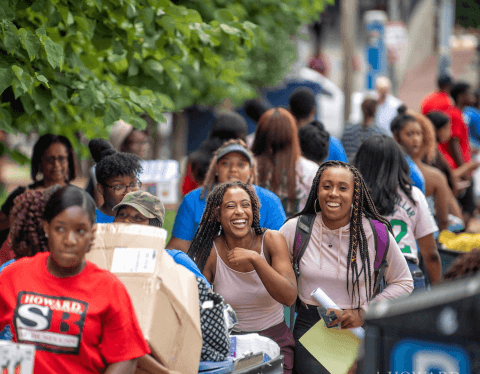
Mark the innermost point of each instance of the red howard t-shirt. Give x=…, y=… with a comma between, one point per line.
x=78, y=324
x=436, y=101
x=458, y=130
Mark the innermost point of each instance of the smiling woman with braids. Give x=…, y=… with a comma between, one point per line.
x=232, y=161
x=340, y=255
x=248, y=266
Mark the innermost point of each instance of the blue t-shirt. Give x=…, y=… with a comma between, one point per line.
x=182, y=258
x=103, y=218
x=189, y=215
x=336, y=151
x=6, y=334
x=471, y=117
x=416, y=175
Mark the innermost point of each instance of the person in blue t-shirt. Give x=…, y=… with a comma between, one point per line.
x=303, y=108
x=117, y=175
x=143, y=208
x=471, y=117
x=232, y=161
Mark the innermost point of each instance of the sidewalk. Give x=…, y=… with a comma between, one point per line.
x=421, y=80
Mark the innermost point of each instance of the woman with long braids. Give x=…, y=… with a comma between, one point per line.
x=340, y=255
x=247, y=264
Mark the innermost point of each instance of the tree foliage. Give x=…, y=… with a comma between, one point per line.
x=77, y=66
x=70, y=66
x=468, y=13
x=269, y=59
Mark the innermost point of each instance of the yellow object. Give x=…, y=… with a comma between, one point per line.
x=459, y=242
x=334, y=349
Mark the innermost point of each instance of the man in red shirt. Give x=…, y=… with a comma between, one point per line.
x=440, y=100
x=459, y=147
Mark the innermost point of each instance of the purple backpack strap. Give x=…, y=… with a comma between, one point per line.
x=381, y=242
x=381, y=249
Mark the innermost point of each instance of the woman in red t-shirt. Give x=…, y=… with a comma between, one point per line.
x=79, y=317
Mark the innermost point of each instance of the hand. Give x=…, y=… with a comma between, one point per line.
x=349, y=318
x=241, y=256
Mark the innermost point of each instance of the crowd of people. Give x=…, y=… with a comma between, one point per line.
x=266, y=219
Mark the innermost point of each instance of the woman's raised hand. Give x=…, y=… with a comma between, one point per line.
x=241, y=256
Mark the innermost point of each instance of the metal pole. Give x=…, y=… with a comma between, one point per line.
x=446, y=15
x=394, y=15
x=348, y=19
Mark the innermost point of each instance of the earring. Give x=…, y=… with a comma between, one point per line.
x=315, y=207
x=46, y=235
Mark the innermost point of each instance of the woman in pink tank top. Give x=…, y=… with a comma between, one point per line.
x=249, y=266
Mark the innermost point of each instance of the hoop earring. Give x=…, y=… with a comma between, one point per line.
x=315, y=207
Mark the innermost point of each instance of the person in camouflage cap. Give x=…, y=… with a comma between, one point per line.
x=140, y=207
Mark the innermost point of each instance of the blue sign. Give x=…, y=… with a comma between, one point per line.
x=416, y=356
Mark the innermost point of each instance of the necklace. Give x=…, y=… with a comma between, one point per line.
x=330, y=240
x=249, y=247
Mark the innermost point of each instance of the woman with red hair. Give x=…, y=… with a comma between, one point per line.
x=281, y=167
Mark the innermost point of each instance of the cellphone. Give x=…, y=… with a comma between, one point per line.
x=328, y=318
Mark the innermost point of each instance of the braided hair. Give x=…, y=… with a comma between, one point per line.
x=26, y=236
x=210, y=226
x=211, y=177
x=362, y=205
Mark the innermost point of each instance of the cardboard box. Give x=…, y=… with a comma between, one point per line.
x=164, y=294
x=16, y=358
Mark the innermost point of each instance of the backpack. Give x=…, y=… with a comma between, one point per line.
x=302, y=237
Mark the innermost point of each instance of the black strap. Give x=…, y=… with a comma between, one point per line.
x=303, y=232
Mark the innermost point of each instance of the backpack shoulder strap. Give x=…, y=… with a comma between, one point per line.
x=380, y=233
x=303, y=232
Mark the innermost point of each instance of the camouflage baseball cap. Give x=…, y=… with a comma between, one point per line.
x=146, y=203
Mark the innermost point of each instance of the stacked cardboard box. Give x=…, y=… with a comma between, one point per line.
x=164, y=294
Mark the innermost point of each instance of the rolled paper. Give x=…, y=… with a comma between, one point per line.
x=327, y=303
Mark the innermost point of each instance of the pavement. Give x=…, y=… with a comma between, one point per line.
x=421, y=80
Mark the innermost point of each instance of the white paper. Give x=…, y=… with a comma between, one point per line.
x=133, y=260
x=161, y=178
x=16, y=358
x=327, y=303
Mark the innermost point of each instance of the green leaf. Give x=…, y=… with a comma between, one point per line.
x=6, y=121
x=28, y=104
x=30, y=43
x=168, y=24
x=229, y=30
x=19, y=157
x=85, y=26
x=42, y=98
x=6, y=77
x=224, y=15
x=113, y=113
x=18, y=71
x=41, y=78
x=54, y=53
x=61, y=93
x=41, y=31
x=5, y=12
x=11, y=40
x=155, y=69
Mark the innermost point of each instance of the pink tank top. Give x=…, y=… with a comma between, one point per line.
x=256, y=309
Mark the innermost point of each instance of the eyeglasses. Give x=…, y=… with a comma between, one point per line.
x=52, y=159
x=120, y=188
